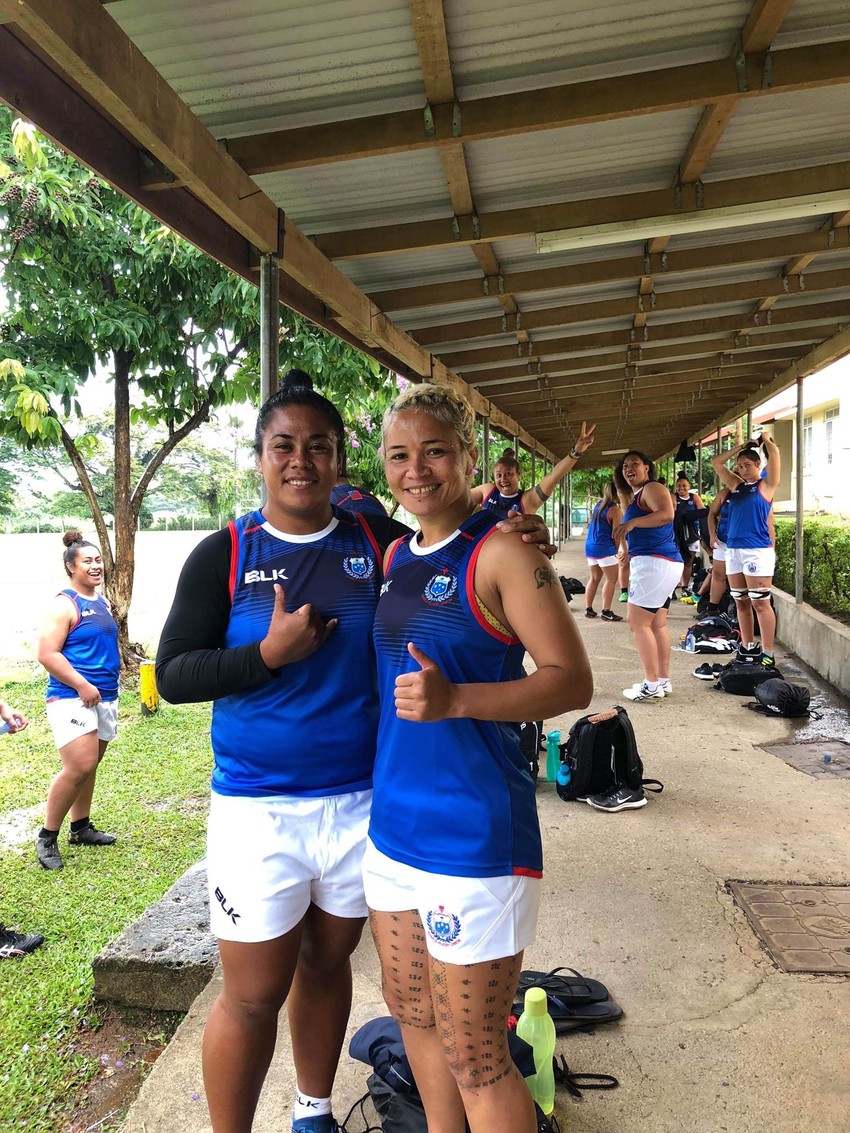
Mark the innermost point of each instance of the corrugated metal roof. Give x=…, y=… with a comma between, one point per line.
x=361, y=194
x=594, y=293
x=432, y=265
x=624, y=156
x=813, y=21
x=750, y=232
x=715, y=277
x=782, y=131
x=261, y=64
x=482, y=308
x=522, y=255
x=498, y=46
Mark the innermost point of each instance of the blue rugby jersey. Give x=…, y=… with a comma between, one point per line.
x=454, y=796
x=312, y=730
x=599, y=543
x=91, y=647
x=660, y=542
x=500, y=505
x=748, y=517
x=356, y=499
x=722, y=527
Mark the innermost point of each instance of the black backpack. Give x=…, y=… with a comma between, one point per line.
x=530, y=736
x=742, y=678
x=779, y=698
x=601, y=753
x=572, y=585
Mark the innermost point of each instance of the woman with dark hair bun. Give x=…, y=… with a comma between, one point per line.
x=504, y=494
x=655, y=567
x=79, y=649
x=272, y=621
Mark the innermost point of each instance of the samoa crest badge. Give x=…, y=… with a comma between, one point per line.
x=440, y=588
x=359, y=567
x=442, y=926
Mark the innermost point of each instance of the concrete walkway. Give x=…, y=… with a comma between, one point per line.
x=714, y=1037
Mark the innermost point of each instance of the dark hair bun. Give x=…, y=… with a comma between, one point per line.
x=510, y=453
x=751, y=454
x=296, y=379
x=72, y=537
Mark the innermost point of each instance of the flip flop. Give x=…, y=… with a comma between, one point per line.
x=575, y=1083
x=585, y=1017
x=574, y=989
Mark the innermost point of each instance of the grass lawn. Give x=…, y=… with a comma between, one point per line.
x=152, y=790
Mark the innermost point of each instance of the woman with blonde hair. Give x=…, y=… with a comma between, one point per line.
x=454, y=860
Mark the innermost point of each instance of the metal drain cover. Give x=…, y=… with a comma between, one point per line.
x=824, y=759
x=805, y=928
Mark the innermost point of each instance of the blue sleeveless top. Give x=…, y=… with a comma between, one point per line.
x=91, y=647
x=356, y=499
x=500, y=505
x=312, y=731
x=599, y=542
x=454, y=796
x=748, y=517
x=659, y=542
x=723, y=521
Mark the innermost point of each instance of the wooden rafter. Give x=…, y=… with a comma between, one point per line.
x=596, y=100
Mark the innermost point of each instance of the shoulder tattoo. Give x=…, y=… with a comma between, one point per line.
x=544, y=576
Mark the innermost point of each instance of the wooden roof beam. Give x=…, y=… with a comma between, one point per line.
x=594, y=100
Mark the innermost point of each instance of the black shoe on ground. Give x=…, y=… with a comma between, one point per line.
x=590, y=612
x=620, y=798
x=91, y=836
x=707, y=671
x=767, y=662
x=610, y=616
x=47, y=850
x=17, y=943
x=748, y=653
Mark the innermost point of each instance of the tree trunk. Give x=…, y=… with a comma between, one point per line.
x=119, y=584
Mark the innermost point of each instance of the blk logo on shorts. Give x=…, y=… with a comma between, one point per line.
x=442, y=926
x=222, y=900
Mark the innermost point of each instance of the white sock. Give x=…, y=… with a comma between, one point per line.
x=653, y=685
x=305, y=1106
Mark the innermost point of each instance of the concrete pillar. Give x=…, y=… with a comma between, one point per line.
x=485, y=456
x=269, y=326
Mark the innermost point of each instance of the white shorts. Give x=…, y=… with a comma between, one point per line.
x=652, y=581
x=268, y=859
x=718, y=553
x=467, y=920
x=69, y=719
x=609, y=560
x=755, y=562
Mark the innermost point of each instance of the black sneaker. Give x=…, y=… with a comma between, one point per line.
x=620, y=798
x=748, y=653
x=47, y=850
x=707, y=671
x=767, y=662
x=91, y=836
x=17, y=943
x=610, y=616
x=591, y=613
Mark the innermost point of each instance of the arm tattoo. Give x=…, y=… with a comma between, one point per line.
x=544, y=576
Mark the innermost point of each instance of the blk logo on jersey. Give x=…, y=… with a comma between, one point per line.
x=442, y=926
x=359, y=567
x=440, y=588
x=88, y=613
x=266, y=576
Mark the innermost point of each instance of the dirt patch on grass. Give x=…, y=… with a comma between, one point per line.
x=122, y=1048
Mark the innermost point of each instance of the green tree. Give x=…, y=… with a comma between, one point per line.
x=91, y=280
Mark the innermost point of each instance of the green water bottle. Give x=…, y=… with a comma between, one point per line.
x=535, y=1027
x=553, y=755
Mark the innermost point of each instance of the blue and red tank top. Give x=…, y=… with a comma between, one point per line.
x=722, y=527
x=312, y=730
x=599, y=542
x=91, y=648
x=356, y=499
x=454, y=796
x=500, y=505
x=659, y=542
x=749, y=513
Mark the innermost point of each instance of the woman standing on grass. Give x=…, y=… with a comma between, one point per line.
x=79, y=650
x=272, y=620
x=505, y=495
x=655, y=567
x=601, y=553
x=750, y=542
x=453, y=864
x=15, y=944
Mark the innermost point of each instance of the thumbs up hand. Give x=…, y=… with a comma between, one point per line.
x=425, y=695
x=293, y=636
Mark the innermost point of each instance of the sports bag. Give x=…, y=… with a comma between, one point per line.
x=713, y=625
x=530, y=734
x=743, y=678
x=779, y=698
x=600, y=753
x=572, y=585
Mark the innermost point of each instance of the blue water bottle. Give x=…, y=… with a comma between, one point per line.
x=553, y=755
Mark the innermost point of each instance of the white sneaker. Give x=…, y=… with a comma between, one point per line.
x=643, y=692
x=667, y=687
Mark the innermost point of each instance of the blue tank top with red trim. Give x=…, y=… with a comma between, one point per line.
x=356, y=499
x=723, y=521
x=91, y=648
x=500, y=505
x=748, y=517
x=659, y=542
x=311, y=731
x=599, y=543
x=454, y=796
